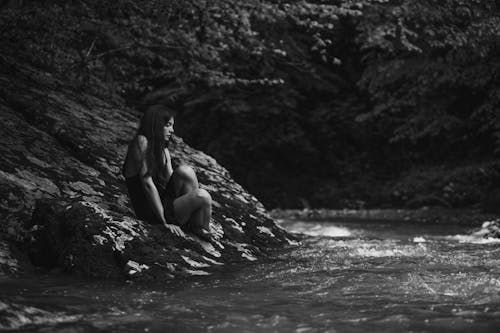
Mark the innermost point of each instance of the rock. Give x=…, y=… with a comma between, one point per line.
x=18, y=316
x=61, y=151
x=12, y=261
x=82, y=238
x=489, y=229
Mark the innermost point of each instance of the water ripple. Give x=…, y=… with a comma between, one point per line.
x=345, y=277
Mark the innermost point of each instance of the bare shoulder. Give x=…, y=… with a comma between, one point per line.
x=136, y=156
x=142, y=143
x=138, y=148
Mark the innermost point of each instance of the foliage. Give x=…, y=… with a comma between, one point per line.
x=431, y=68
x=139, y=45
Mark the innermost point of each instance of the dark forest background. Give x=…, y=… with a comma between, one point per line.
x=341, y=104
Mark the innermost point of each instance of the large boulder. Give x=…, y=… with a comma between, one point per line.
x=81, y=237
x=61, y=151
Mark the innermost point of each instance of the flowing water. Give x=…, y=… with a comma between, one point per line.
x=343, y=277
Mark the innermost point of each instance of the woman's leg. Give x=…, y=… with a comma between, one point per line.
x=184, y=180
x=192, y=205
x=195, y=208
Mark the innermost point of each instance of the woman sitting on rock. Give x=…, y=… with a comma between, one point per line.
x=158, y=193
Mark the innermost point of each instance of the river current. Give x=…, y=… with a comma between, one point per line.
x=345, y=276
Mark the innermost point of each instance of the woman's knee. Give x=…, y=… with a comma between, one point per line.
x=203, y=196
x=185, y=172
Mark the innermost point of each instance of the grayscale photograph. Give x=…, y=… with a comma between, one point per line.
x=223, y=166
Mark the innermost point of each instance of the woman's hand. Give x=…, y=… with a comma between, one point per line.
x=176, y=230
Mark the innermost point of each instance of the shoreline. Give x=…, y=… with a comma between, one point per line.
x=425, y=215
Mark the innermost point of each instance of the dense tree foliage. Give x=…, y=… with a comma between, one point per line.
x=432, y=68
x=322, y=102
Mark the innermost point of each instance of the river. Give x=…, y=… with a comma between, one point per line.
x=346, y=276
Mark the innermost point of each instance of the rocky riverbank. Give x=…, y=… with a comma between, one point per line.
x=63, y=204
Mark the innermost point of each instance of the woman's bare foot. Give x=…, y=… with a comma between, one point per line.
x=204, y=234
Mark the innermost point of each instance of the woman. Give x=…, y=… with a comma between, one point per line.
x=158, y=193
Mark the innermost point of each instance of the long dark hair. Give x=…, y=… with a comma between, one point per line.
x=151, y=126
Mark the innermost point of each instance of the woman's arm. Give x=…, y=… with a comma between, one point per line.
x=150, y=189
x=168, y=164
x=154, y=198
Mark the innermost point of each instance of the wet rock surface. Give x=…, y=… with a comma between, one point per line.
x=17, y=316
x=61, y=151
x=83, y=238
x=489, y=229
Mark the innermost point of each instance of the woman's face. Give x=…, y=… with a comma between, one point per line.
x=168, y=129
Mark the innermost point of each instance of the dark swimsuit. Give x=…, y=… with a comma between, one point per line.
x=142, y=207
